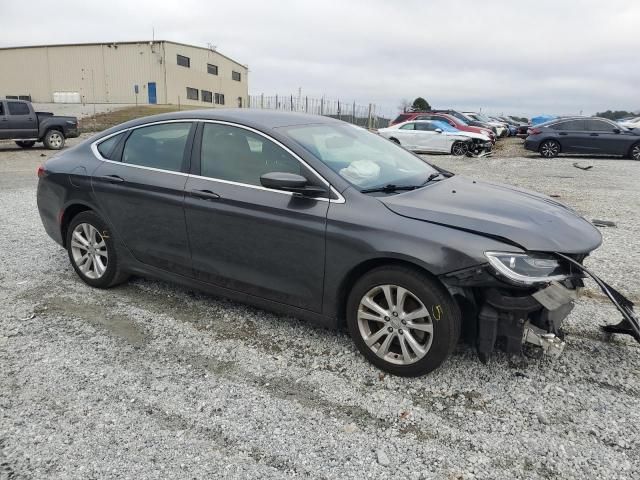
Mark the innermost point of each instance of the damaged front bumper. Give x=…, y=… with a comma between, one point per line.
x=480, y=148
x=504, y=316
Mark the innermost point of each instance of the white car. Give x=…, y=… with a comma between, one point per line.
x=631, y=123
x=436, y=136
x=502, y=130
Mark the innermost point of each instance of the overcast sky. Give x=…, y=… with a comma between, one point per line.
x=511, y=56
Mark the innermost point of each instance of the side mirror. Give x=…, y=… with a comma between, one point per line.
x=291, y=182
x=438, y=130
x=616, y=130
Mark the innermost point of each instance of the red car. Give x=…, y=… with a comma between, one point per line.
x=450, y=119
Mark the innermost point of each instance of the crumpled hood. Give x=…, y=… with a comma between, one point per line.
x=467, y=134
x=529, y=219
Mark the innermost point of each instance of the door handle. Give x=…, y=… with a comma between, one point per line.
x=594, y=135
x=563, y=133
x=111, y=179
x=205, y=194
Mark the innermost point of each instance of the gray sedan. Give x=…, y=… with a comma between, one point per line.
x=321, y=220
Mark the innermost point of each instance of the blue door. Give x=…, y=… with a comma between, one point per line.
x=152, y=92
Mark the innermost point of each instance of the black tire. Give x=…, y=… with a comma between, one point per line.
x=634, y=152
x=459, y=149
x=549, y=149
x=25, y=143
x=113, y=275
x=54, y=140
x=437, y=301
x=395, y=140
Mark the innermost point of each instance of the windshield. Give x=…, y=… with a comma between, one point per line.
x=444, y=126
x=364, y=159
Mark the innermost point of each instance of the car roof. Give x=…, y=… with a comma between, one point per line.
x=577, y=117
x=260, y=119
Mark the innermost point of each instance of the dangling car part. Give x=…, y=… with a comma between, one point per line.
x=544, y=289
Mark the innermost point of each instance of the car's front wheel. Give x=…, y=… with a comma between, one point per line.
x=93, y=251
x=402, y=320
x=634, y=154
x=25, y=143
x=459, y=149
x=549, y=149
x=53, y=140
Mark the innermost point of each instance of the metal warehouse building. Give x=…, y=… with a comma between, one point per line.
x=126, y=72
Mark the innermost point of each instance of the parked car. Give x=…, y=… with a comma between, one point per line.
x=633, y=122
x=436, y=137
x=322, y=220
x=511, y=125
x=404, y=117
x=523, y=127
x=458, y=124
x=468, y=120
x=19, y=122
x=586, y=135
x=452, y=121
x=501, y=127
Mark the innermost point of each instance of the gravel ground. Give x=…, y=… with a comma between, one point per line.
x=149, y=379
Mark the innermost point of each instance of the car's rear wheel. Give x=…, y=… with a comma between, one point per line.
x=549, y=149
x=459, y=149
x=54, y=140
x=402, y=320
x=25, y=143
x=634, y=154
x=93, y=251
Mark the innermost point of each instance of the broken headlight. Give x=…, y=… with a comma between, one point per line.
x=527, y=269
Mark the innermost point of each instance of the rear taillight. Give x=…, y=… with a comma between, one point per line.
x=534, y=131
x=40, y=172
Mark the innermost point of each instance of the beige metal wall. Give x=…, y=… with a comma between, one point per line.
x=107, y=73
x=196, y=76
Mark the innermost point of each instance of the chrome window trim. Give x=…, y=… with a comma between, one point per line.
x=96, y=153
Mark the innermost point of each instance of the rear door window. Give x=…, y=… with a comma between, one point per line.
x=18, y=108
x=158, y=146
x=570, y=126
x=408, y=126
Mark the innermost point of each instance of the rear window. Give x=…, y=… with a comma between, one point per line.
x=108, y=147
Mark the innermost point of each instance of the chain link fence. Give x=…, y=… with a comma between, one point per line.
x=361, y=115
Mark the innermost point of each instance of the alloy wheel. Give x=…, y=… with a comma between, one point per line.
x=459, y=149
x=395, y=324
x=55, y=140
x=89, y=251
x=549, y=149
x=635, y=152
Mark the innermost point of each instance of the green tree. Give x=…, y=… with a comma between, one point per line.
x=420, y=105
x=616, y=115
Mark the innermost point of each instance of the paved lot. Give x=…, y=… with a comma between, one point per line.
x=151, y=380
